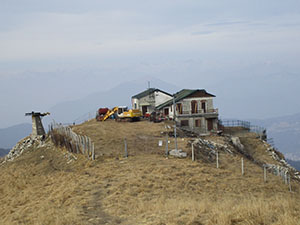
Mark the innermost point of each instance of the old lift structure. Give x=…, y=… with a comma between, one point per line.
x=37, y=126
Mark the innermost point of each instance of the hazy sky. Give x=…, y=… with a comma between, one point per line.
x=245, y=52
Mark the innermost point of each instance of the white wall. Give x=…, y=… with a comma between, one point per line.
x=161, y=97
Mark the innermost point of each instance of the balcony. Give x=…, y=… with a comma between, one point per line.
x=211, y=113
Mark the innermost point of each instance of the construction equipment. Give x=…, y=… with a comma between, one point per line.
x=109, y=113
x=128, y=115
x=101, y=113
x=122, y=113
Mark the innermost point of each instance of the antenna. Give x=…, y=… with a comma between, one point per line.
x=148, y=84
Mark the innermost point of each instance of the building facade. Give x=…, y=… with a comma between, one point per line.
x=194, y=110
x=148, y=100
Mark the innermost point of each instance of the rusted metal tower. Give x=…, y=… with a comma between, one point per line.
x=37, y=126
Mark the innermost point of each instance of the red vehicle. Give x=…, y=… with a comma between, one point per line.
x=100, y=113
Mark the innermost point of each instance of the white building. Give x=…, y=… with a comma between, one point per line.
x=148, y=100
x=194, y=110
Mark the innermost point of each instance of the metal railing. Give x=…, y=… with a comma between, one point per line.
x=235, y=123
x=244, y=124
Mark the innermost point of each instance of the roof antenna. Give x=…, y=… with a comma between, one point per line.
x=148, y=84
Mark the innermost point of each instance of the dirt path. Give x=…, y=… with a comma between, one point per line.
x=94, y=210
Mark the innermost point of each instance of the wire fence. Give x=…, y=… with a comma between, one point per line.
x=63, y=136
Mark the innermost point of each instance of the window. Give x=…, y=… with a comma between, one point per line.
x=197, y=123
x=184, y=123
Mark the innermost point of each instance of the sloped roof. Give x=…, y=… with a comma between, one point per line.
x=148, y=92
x=183, y=94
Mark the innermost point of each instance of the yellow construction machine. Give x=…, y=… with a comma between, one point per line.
x=121, y=113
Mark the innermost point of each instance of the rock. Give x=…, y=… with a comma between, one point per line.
x=178, y=153
x=237, y=143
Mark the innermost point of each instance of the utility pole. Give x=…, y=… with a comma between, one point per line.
x=174, y=117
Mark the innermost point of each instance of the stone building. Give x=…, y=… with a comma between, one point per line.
x=148, y=100
x=194, y=110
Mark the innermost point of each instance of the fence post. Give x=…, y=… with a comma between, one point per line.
x=217, y=158
x=93, y=151
x=242, y=166
x=126, y=152
x=167, y=147
x=193, y=152
x=265, y=173
x=90, y=148
x=289, y=180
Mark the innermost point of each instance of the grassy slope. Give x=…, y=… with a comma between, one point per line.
x=41, y=187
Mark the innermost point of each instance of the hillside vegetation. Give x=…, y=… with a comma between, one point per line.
x=47, y=185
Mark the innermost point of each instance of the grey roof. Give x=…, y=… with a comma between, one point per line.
x=181, y=95
x=148, y=92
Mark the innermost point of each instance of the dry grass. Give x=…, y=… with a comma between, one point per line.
x=143, y=189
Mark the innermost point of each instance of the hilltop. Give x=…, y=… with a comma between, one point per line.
x=48, y=185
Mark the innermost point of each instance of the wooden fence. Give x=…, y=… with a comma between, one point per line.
x=64, y=136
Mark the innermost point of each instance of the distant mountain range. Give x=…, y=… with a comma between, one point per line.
x=11, y=135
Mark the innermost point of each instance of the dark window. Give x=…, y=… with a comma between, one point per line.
x=194, y=106
x=184, y=123
x=197, y=123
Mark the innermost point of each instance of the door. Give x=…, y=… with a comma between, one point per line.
x=166, y=111
x=144, y=110
x=203, y=106
x=210, y=125
x=194, y=107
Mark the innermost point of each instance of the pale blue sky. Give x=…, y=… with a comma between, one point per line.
x=245, y=52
